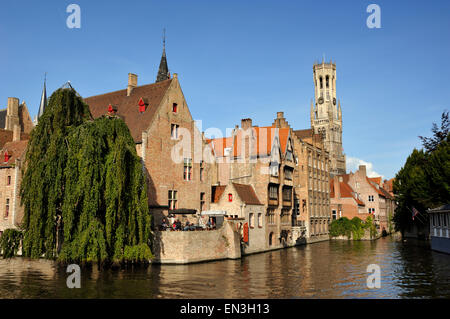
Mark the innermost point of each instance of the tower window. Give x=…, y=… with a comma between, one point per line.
x=321, y=82
x=328, y=81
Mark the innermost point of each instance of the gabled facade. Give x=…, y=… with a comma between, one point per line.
x=241, y=203
x=11, y=160
x=262, y=157
x=169, y=143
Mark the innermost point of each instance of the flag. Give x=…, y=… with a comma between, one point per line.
x=414, y=212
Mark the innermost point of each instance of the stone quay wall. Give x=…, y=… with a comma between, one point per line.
x=183, y=247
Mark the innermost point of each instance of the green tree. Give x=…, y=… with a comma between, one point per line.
x=85, y=176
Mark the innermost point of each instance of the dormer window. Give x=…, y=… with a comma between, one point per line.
x=142, y=104
x=174, y=107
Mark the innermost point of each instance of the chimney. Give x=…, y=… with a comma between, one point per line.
x=16, y=133
x=280, y=115
x=362, y=170
x=337, y=186
x=13, y=106
x=132, y=83
x=246, y=123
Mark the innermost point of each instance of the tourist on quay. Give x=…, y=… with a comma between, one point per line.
x=187, y=226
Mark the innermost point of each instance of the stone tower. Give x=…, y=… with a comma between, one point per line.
x=326, y=114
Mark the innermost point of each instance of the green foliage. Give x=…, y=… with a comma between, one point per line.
x=354, y=228
x=10, y=242
x=423, y=182
x=86, y=174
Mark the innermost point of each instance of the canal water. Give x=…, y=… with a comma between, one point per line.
x=332, y=269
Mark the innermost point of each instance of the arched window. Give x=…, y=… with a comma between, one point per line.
x=321, y=82
x=260, y=220
x=271, y=237
x=328, y=81
x=251, y=220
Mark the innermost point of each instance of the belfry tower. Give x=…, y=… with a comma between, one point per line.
x=326, y=114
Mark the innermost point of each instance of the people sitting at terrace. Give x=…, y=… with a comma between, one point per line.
x=187, y=227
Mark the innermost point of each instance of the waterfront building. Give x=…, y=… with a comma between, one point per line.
x=160, y=122
x=326, y=114
x=440, y=228
x=262, y=157
x=311, y=179
x=356, y=195
x=16, y=126
x=240, y=203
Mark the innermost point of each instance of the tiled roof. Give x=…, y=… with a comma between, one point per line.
x=219, y=145
x=386, y=193
x=216, y=193
x=375, y=188
x=247, y=194
x=5, y=136
x=346, y=192
x=304, y=133
x=262, y=144
x=376, y=180
x=283, y=133
x=15, y=150
x=127, y=106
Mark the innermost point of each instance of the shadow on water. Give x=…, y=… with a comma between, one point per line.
x=331, y=269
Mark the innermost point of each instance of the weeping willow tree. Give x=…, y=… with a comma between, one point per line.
x=83, y=178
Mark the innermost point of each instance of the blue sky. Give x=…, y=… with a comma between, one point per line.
x=238, y=59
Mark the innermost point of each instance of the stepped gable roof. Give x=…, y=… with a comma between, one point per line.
x=247, y=194
x=128, y=108
x=15, y=150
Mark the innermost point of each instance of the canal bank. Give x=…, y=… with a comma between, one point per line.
x=329, y=269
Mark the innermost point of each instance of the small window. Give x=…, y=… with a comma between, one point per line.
x=260, y=220
x=174, y=107
x=230, y=197
x=334, y=214
x=187, y=171
x=202, y=169
x=7, y=208
x=172, y=199
x=174, y=131
x=8, y=180
x=252, y=220
x=202, y=202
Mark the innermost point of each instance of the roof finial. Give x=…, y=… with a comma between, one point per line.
x=164, y=41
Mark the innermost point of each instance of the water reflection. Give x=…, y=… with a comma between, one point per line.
x=321, y=270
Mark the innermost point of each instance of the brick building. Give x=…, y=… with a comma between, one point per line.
x=16, y=126
x=241, y=203
x=262, y=157
x=356, y=195
x=168, y=141
x=312, y=178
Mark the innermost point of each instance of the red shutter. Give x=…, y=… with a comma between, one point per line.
x=110, y=108
x=245, y=239
x=6, y=157
x=230, y=197
x=141, y=105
